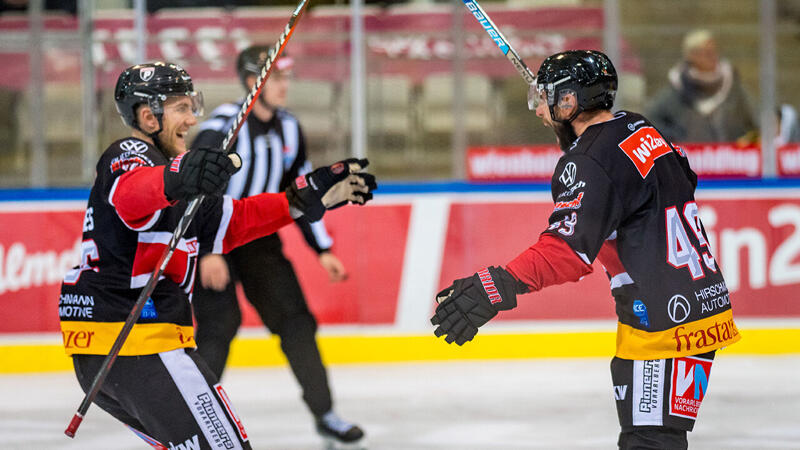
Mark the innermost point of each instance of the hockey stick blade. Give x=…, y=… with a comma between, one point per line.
x=183, y=225
x=501, y=41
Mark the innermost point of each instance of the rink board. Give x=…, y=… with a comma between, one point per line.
x=403, y=248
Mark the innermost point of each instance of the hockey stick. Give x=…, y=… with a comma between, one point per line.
x=183, y=225
x=500, y=40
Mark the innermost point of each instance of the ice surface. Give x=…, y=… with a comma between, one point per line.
x=752, y=403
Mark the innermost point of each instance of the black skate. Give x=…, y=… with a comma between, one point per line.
x=339, y=433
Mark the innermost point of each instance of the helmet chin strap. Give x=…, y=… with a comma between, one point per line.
x=565, y=132
x=154, y=134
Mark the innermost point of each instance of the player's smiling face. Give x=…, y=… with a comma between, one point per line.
x=177, y=120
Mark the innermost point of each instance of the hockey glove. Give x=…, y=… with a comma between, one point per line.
x=471, y=302
x=330, y=187
x=201, y=171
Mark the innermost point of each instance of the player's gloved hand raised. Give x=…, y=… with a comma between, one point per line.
x=471, y=302
x=201, y=171
x=330, y=187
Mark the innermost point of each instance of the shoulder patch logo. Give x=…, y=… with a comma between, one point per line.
x=132, y=145
x=643, y=148
x=568, y=175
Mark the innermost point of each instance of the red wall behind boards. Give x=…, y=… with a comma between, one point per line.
x=754, y=234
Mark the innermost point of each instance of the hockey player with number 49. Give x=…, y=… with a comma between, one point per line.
x=159, y=386
x=624, y=196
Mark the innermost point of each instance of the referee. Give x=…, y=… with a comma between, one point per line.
x=272, y=147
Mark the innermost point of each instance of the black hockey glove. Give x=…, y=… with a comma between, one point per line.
x=330, y=187
x=201, y=171
x=471, y=302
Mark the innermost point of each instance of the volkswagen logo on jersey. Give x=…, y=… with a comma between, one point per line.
x=568, y=175
x=133, y=145
x=678, y=308
x=146, y=73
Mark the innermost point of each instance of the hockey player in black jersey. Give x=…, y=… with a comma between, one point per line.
x=273, y=147
x=159, y=386
x=622, y=195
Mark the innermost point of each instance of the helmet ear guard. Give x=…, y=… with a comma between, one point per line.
x=567, y=99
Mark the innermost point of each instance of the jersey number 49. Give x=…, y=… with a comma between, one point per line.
x=680, y=250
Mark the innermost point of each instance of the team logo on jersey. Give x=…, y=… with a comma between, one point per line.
x=678, y=308
x=568, y=175
x=133, y=145
x=127, y=162
x=640, y=310
x=689, y=384
x=149, y=310
x=146, y=73
x=572, y=204
x=643, y=147
x=569, y=192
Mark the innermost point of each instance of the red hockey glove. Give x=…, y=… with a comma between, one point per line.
x=330, y=187
x=201, y=171
x=471, y=302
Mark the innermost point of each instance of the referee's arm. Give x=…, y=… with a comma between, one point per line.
x=315, y=234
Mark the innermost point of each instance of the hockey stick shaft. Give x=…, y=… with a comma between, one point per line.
x=183, y=225
x=501, y=41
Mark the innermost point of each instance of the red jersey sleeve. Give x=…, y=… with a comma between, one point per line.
x=548, y=262
x=138, y=197
x=255, y=217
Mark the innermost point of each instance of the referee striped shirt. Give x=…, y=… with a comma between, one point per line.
x=273, y=154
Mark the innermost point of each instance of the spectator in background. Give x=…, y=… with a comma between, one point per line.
x=705, y=101
x=788, y=127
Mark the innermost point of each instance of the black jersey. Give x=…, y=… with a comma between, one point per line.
x=273, y=154
x=118, y=257
x=625, y=194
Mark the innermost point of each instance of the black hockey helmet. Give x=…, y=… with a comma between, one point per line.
x=151, y=84
x=251, y=60
x=588, y=74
